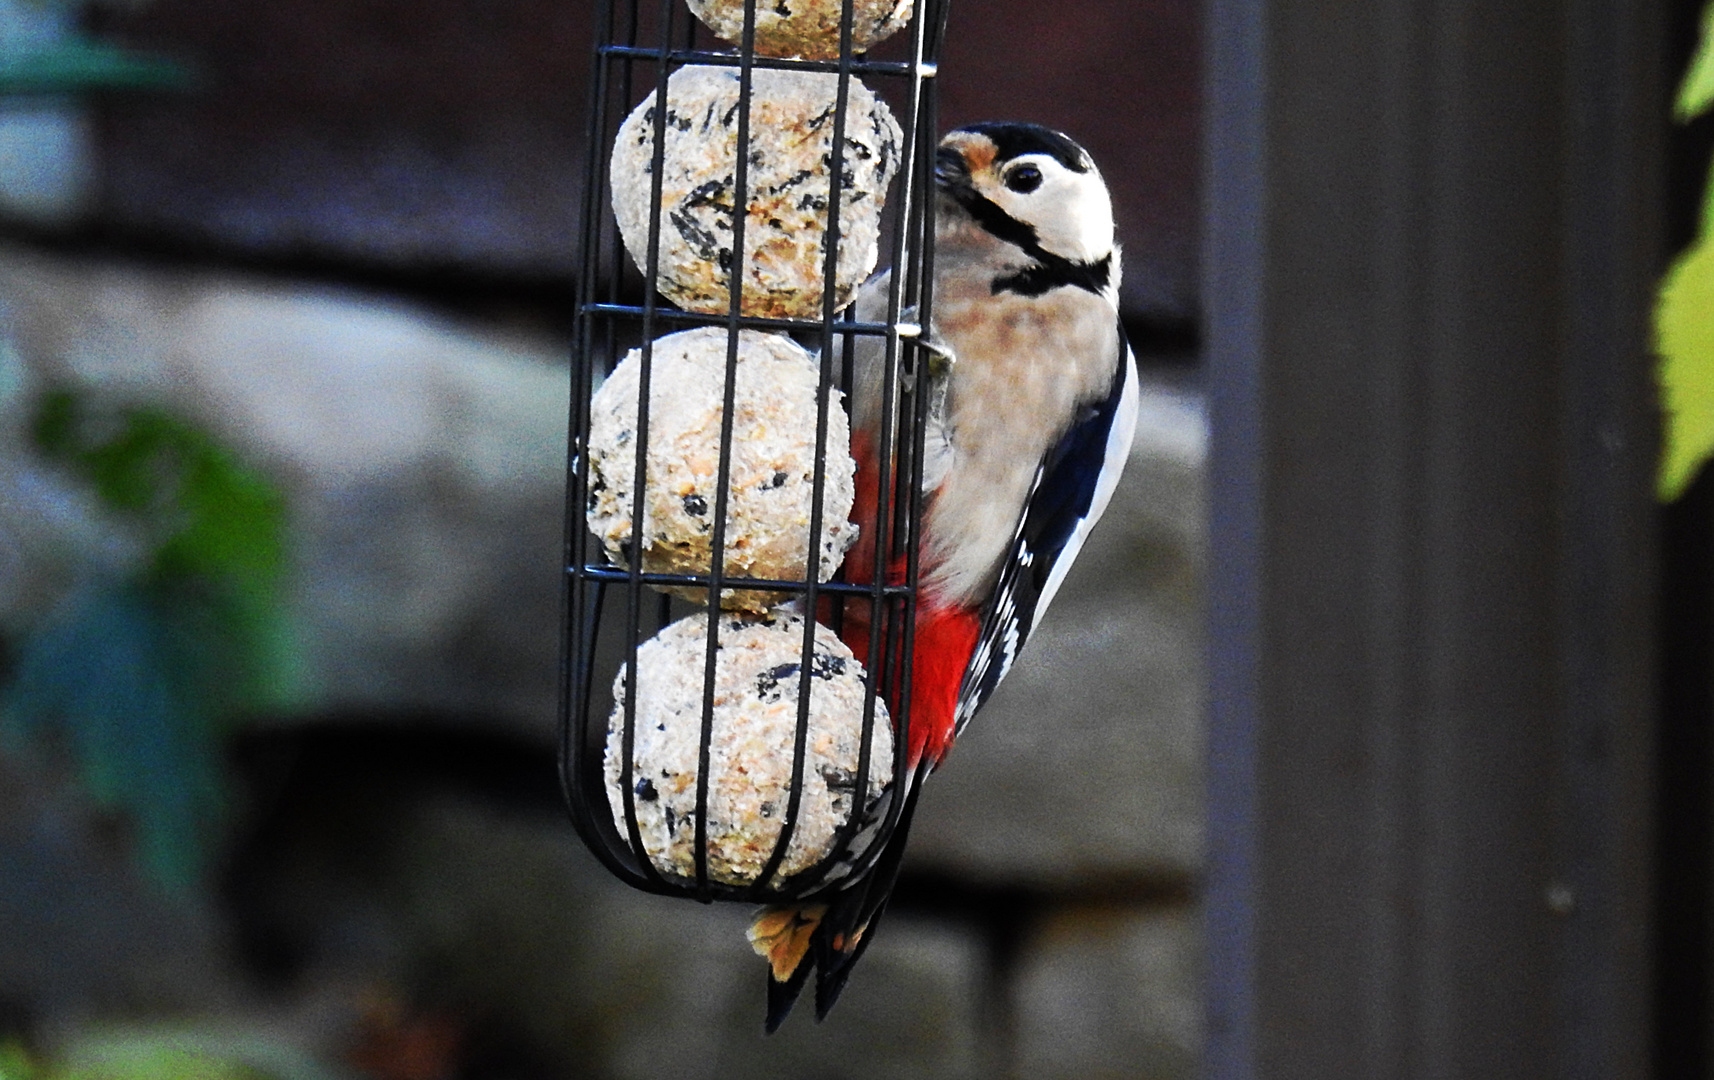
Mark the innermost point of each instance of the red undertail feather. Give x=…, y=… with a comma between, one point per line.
x=826, y=938
x=945, y=637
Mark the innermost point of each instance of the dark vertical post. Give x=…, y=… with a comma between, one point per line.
x=1431, y=243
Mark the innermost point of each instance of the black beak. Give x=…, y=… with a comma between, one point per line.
x=951, y=173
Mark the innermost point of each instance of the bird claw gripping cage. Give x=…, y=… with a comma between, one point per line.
x=716, y=766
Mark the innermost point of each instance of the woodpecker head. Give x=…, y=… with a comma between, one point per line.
x=1038, y=194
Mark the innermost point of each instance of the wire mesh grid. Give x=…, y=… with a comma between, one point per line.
x=612, y=607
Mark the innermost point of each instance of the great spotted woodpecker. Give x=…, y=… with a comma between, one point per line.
x=1032, y=420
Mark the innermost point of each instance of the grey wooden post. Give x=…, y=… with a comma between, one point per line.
x=1431, y=237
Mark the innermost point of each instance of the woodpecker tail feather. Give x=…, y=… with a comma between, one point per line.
x=829, y=936
x=781, y=935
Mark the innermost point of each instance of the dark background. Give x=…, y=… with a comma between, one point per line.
x=441, y=138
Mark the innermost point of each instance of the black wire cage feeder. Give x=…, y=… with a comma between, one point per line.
x=616, y=601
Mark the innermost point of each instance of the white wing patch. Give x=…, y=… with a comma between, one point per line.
x=1118, y=450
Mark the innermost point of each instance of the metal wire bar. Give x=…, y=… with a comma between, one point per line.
x=719, y=59
x=703, y=581
x=758, y=322
x=605, y=324
x=723, y=474
x=818, y=483
x=634, y=587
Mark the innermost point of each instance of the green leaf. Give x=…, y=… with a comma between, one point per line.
x=218, y=527
x=135, y=678
x=78, y=66
x=151, y=1059
x=1684, y=312
x=1706, y=222
x=119, y=678
x=1684, y=338
x=1697, y=91
x=15, y=1063
x=191, y=1052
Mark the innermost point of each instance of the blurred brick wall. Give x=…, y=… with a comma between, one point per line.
x=1121, y=77
x=445, y=134
x=421, y=134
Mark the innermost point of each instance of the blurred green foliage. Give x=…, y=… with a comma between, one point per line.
x=1697, y=93
x=1684, y=312
x=144, y=1058
x=166, y=1053
x=15, y=1062
x=79, y=66
x=134, y=677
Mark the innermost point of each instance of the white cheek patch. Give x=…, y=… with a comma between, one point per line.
x=1095, y=215
x=1070, y=212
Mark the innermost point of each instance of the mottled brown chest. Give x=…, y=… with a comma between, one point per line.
x=1023, y=367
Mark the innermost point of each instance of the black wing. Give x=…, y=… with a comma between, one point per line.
x=1070, y=491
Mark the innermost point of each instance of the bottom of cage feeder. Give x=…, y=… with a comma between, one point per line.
x=756, y=684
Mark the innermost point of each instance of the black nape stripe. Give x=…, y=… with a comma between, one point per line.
x=1052, y=271
x=1047, y=270
x=1014, y=140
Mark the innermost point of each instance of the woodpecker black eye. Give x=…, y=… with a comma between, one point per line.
x=1024, y=179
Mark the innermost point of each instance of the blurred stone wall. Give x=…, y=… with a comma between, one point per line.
x=1046, y=924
